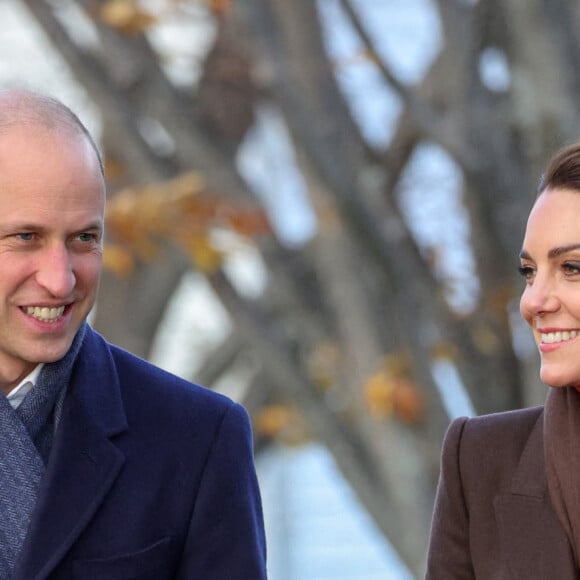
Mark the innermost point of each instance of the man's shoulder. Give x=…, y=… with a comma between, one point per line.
x=145, y=385
x=149, y=379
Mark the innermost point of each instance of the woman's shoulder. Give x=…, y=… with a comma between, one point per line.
x=509, y=429
x=520, y=420
x=493, y=444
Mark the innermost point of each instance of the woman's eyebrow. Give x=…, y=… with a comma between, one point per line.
x=554, y=252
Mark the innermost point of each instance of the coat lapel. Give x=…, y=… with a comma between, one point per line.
x=533, y=543
x=84, y=462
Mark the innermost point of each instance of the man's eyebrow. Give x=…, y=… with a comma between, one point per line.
x=20, y=226
x=92, y=226
x=554, y=252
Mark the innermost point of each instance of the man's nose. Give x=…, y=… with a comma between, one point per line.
x=55, y=271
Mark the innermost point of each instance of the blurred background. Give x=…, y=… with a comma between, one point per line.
x=316, y=207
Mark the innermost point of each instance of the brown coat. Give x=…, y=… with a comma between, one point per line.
x=493, y=517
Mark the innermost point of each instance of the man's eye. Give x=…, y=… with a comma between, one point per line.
x=25, y=236
x=86, y=237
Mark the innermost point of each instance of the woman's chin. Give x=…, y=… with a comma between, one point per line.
x=559, y=381
x=562, y=384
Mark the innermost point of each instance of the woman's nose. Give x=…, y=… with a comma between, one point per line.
x=539, y=297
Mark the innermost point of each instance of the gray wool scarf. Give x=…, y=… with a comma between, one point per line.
x=26, y=436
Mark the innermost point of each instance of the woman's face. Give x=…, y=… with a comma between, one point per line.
x=550, y=303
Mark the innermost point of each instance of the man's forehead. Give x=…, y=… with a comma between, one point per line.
x=41, y=164
x=19, y=141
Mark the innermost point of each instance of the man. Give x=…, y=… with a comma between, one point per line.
x=109, y=467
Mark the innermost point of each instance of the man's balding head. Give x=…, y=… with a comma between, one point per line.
x=21, y=107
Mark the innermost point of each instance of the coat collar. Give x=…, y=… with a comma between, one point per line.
x=84, y=461
x=533, y=543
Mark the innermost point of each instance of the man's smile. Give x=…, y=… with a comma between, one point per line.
x=45, y=313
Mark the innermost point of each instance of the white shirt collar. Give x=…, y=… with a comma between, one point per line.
x=17, y=394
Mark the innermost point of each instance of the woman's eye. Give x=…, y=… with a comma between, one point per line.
x=571, y=268
x=526, y=271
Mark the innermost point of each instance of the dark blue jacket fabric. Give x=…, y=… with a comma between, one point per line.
x=150, y=478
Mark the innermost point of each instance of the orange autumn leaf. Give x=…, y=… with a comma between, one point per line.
x=272, y=419
x=444, y=350
x=391, y=392
x=283, y=422
x=378, y=390
x=126, y=16
x=114, y=169
x=118, y=260
x=249, y=222
x=181, y=212
x=407, y=401
x=204, y=255
x=323, y=364
x=219, y=7
x=485, y=339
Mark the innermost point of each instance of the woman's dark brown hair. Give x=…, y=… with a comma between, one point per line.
x=562, y=171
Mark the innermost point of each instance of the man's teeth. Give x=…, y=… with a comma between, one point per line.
x=560, y=336
x=44, y=314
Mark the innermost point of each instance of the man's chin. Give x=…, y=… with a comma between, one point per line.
x=53, y=353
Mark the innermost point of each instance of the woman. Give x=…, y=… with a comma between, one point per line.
x=508, y=501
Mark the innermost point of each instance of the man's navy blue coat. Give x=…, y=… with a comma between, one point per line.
x=149, y=477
